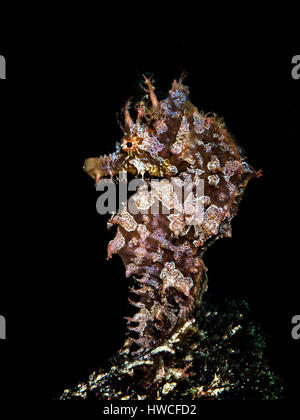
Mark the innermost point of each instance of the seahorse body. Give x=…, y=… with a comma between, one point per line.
x=171, y=139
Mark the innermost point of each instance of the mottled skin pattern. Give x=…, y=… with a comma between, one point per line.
x=171, y=139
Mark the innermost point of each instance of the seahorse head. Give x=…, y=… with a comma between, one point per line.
x=146, y=145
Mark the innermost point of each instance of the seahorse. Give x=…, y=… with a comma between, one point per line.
x=171, y=141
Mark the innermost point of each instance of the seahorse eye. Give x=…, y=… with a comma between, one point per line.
x=129, y=144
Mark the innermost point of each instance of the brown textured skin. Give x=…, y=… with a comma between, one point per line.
x=171, y=139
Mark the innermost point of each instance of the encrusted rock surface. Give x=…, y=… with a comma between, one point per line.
x=218, y=356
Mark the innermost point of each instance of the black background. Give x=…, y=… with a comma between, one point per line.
x=63, y=301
